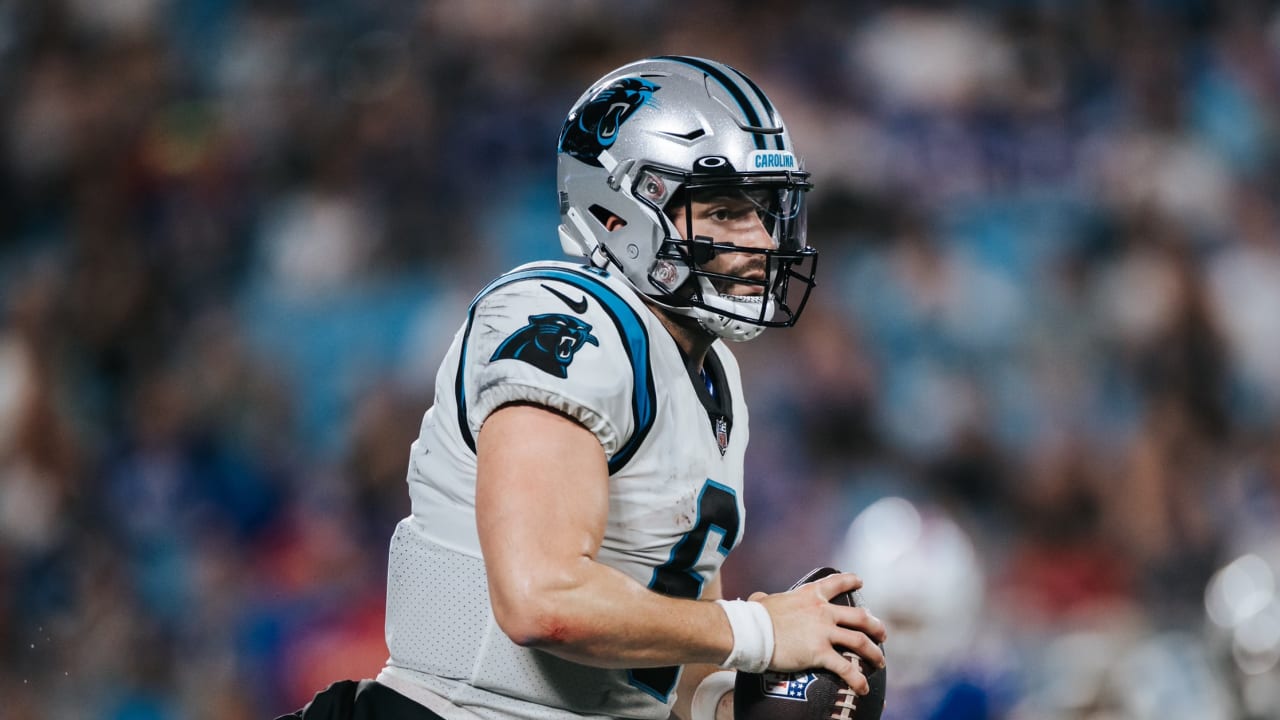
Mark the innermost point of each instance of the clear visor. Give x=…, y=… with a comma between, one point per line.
x=739, y=207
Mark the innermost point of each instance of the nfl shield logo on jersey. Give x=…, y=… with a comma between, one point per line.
x=788, y=686
x=722, y=433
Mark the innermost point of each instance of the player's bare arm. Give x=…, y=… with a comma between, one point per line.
x=542, y=502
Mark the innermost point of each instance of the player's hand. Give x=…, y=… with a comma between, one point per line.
x=809, y=631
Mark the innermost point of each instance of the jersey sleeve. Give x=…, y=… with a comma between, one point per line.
x=553, y=339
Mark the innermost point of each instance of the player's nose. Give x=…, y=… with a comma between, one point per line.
x=757, y=236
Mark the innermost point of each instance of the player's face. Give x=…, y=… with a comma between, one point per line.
x=730, y=217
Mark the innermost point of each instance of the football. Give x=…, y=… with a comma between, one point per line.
x=812, y=695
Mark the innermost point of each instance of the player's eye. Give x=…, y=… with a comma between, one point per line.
x=731, y=212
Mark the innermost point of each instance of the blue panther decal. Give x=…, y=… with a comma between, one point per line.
x=593, y=126
x=548, y=342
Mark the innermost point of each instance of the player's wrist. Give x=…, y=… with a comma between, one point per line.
x=752, y=636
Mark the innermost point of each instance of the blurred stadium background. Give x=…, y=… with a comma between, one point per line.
x=236, y=236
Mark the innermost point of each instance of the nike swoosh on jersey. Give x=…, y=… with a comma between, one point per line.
x=578, y=306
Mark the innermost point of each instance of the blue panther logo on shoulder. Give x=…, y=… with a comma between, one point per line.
x=548, y=342
x=593, y=126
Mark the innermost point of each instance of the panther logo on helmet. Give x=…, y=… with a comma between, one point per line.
x=548, y=343
x=593, y=127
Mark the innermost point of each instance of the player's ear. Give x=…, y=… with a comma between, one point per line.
x=608, y=219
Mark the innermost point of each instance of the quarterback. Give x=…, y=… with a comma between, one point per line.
x=578, y=481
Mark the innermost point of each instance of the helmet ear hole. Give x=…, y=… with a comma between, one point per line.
x=609, y=220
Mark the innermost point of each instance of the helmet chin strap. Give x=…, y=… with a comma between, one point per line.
x=729, y=328
x=716, y=324
x=717, y=318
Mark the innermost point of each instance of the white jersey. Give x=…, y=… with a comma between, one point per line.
x=578, y=340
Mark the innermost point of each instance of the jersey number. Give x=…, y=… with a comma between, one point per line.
x=717, y=512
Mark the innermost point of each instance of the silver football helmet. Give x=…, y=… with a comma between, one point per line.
x=666, y=131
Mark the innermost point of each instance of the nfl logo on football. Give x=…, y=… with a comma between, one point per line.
x=788, y=686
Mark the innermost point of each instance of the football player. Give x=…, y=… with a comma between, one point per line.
x=578, y=482
x=926, y=579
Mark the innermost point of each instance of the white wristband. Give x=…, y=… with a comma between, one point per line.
x=706, y=697
x=752, y=636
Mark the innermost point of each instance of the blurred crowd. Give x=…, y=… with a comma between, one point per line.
x=236, y=238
